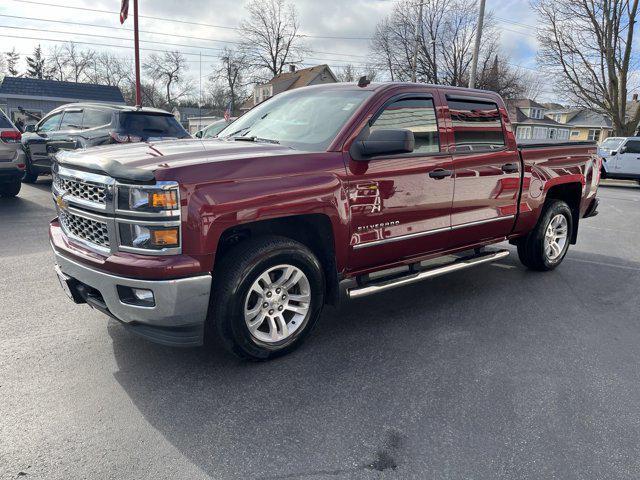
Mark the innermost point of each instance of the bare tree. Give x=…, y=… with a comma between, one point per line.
x=3, y=66
x=270, y=35
x=169, y=69
x=587, y=48
x=446, y=34
x=78, y=61
x=350, y=73
x=57, y=64
x=109, y=69
x=231, y=74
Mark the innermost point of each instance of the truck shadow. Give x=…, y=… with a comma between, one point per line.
x=387, y=382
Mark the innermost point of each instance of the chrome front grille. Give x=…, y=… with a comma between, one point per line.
x=85, y=229
x=81, y=190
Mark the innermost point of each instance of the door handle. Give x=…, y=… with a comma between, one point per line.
x=440, y=173
x=510, y=168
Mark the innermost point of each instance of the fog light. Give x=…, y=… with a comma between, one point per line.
x=141, y=297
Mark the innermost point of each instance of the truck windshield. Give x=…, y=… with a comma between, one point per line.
x=612, y=143
x=301, y=119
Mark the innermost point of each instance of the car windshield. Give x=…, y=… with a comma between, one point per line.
x=612, y=143
x=305, y=119
x=213, y=129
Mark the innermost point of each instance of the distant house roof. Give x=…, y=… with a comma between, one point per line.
x=35, y=88
x=518, y=117
x=300, y=78
x=526, y=103
x=588, y=118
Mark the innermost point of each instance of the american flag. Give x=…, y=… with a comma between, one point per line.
x=124, y=11
x=227, y=112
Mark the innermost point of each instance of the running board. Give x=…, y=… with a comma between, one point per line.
x=415, y=277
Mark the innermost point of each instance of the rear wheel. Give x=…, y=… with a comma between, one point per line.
x=268, y=294
x=547, y=245
x=10, y=189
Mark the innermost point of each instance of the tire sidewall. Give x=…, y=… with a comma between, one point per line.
x=555, y=209
x=234, y=321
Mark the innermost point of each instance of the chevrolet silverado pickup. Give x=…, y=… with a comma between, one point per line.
x=319, y=193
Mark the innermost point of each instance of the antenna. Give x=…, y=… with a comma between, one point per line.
x=363, y=82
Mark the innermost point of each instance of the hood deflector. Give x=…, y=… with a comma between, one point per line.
x=109, y=167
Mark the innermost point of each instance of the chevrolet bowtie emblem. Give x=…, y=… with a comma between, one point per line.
x=60, y=201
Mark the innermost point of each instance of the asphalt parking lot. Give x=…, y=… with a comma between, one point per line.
x=491, y=373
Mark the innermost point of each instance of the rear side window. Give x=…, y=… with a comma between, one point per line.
x=477, y=126
x=633, y=146
x=96, y=118
x=71, y=120
x=417, y=115
x=148, y=125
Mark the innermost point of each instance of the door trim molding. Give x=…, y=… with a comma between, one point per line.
x=426, y=233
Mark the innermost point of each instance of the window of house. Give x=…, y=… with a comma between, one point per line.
x=551, y=133
x=594, y=135
x=563, y=134
x=476, y=125
x=523, y=133
x=96, y=118
x=415, y=114
x=539, y=133
x=535, y=113
x=575, y=133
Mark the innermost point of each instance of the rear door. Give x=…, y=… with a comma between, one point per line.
x=36, y=142
x=400, y=204
x=487, y=171
x=628, y=163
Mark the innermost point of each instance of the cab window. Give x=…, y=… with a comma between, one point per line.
x=415, y=114
x=632, y=146
x=50, y=124
x=477, y=126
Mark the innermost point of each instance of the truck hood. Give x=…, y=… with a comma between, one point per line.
x=139, y=161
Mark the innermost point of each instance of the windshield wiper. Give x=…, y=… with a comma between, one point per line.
x=255, y=139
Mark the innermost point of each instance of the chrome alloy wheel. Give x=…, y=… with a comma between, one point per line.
x=556, y=236
x=277, y=303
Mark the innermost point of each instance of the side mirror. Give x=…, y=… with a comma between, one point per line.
x=30, y=128
x=199, y=134
x=384, y=142
x=623, y=150
x=613, y=153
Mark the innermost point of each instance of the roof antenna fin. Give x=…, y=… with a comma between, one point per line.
x=363, y=82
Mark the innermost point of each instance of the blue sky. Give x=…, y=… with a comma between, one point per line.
x=343, y=18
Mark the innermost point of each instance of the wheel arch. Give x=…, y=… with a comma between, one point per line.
x=314, y=230
x=571, y=194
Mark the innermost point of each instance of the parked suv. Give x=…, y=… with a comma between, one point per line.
x=82, y=125
x=11, y=158
x=621, y=158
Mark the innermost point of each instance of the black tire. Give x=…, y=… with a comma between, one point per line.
x=29, y=176
x=233, y=278
x=531, y=249
x=603, y=173
x=9, y=190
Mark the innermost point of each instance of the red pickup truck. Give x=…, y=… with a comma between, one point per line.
x=321, y=190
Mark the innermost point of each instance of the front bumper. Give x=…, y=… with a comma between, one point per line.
x=177, y=318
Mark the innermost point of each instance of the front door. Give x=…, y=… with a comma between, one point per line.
x=628, y=161
x=400, y=204
x=487, y=173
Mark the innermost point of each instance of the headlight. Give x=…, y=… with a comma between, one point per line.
x=149, y=237
x=148, y=199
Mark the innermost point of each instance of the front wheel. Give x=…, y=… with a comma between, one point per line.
x=267, y=296
x=547, y=245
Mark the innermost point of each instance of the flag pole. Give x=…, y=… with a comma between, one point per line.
x=136, y=41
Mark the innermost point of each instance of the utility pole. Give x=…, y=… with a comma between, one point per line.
x=136, y=40
x=476, y=48
x=414, y=67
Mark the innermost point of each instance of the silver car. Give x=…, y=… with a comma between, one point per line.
x=11, y=158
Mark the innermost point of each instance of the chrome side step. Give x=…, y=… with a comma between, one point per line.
x=414, y=277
